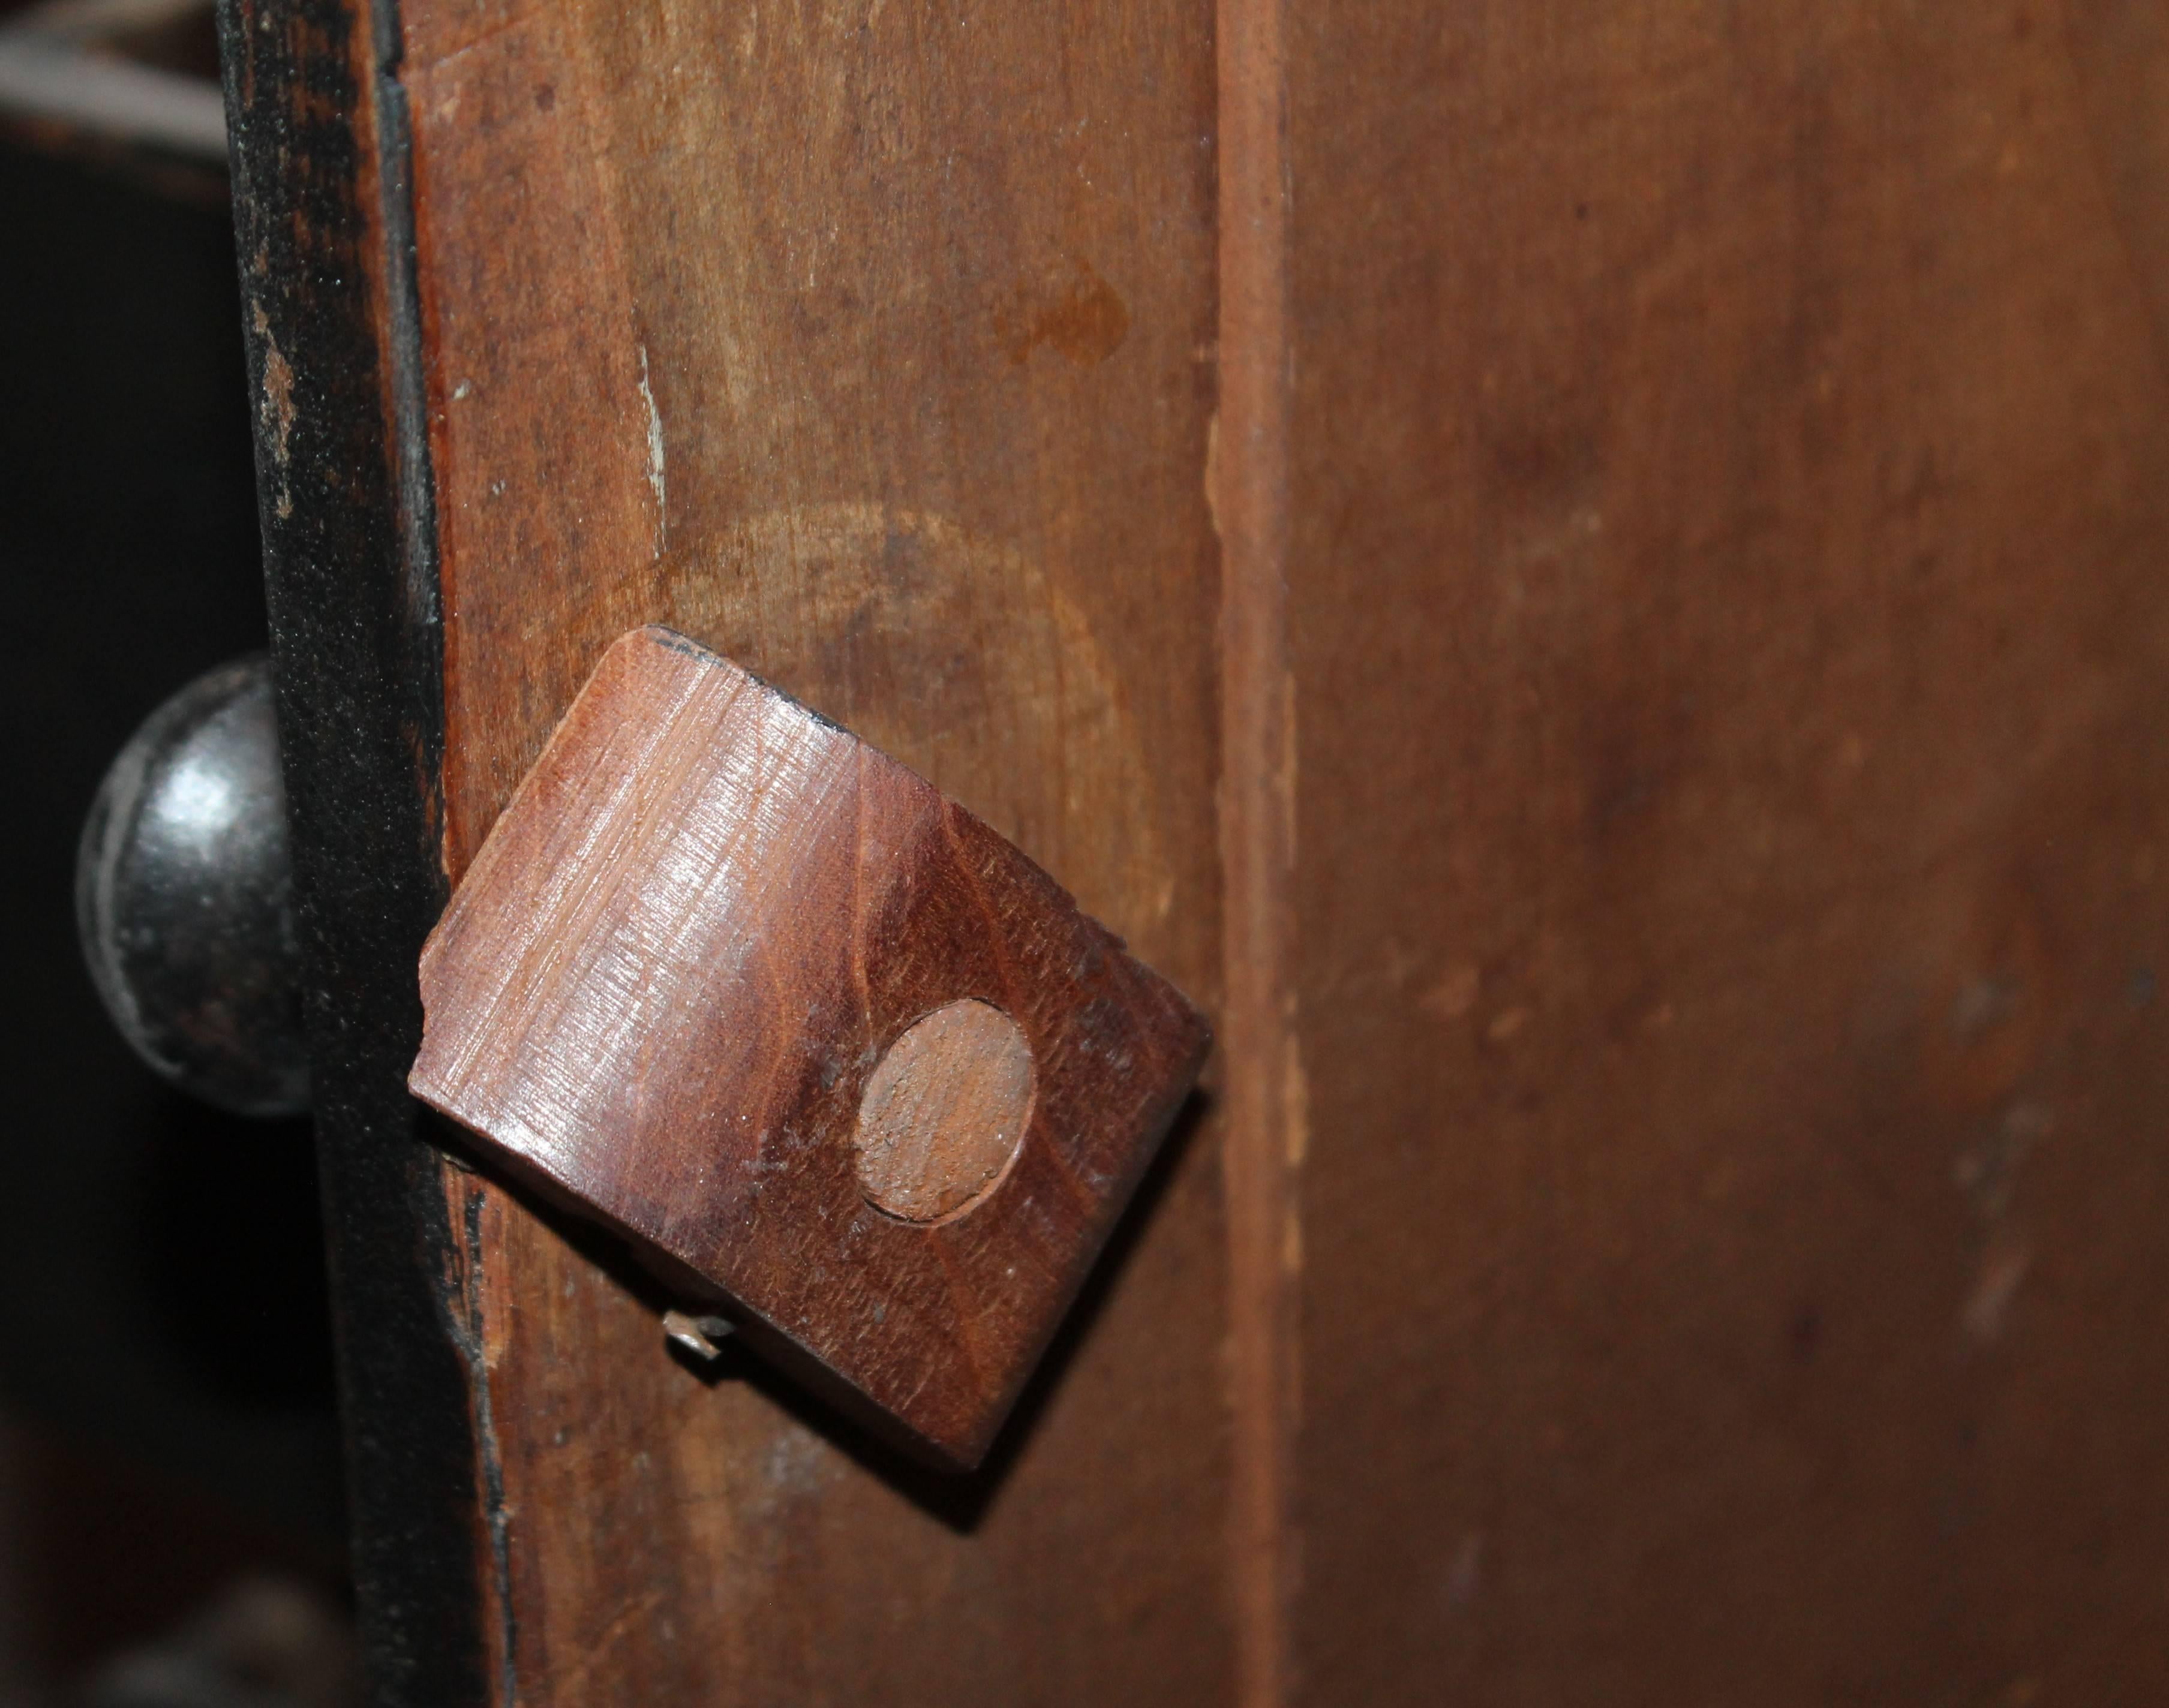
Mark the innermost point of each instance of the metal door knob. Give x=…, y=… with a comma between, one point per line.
x=184, y=898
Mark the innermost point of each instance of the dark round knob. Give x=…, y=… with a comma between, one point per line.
x=184, y=898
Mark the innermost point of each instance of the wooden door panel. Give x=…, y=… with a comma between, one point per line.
x=1584, y=577
x=1730, y=730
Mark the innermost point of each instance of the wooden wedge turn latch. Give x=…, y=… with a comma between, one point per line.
x=839, y=1062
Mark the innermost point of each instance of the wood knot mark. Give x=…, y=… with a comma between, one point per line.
x=1071, y=309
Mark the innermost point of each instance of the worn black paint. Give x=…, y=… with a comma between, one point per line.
x=324, y=246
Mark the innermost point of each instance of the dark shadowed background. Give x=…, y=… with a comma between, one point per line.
x=166, y=1414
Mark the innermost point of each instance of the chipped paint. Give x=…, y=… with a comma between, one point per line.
x=276, y=408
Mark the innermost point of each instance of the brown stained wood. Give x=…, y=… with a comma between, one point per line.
x=1681, y=760
x=709, y=927
x=1729, y=488
x=795, y=328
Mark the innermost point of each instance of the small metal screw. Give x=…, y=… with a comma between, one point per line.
x=698, y=1335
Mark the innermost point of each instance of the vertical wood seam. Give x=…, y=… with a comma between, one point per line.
x=399, y=313
x=1265, y=1129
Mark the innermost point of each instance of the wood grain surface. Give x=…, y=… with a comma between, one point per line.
x=870, y=346
x=707, y=927
x=1661, y=801
x=1729, y=494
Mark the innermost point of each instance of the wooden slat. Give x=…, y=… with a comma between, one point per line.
x=1729, y=494
x=871, y=345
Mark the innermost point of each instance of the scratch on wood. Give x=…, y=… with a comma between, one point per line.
x=462, y=1307
x=654, y=453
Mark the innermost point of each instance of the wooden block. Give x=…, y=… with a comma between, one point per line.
x=822, y=1046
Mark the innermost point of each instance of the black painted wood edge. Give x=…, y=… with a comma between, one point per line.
x=318, y=136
